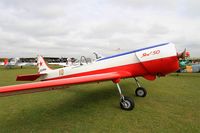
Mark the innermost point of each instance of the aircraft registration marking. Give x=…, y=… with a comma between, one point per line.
x=155, y=52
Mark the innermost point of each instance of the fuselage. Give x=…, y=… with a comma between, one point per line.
x=149, y=62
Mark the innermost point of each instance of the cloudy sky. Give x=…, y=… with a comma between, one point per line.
x=80, y=27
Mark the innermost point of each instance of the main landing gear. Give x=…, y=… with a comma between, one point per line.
x=140, y=91
x=126, y=103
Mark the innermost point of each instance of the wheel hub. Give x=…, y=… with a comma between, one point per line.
x=126, y=104
x=140, y=92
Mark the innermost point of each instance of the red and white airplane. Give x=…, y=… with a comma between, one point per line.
x=5, y=62
x=149, y=63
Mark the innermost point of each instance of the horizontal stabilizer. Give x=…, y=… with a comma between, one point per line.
x=30, y=77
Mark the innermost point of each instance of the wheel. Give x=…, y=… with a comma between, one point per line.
x=140, y=92
x=127, y=104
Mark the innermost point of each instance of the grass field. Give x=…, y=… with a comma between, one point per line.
x=171, y=106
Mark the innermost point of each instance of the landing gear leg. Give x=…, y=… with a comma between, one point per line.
x=125, y=102
x=140, y=91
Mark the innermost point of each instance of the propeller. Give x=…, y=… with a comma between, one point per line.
x=183, y=54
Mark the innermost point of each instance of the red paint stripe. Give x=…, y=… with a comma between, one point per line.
x=60, y=82
x=161, y=66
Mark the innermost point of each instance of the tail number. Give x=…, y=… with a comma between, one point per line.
x=155, y=52
x=61, y=72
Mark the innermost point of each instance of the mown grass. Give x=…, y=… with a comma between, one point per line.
x=171, y=106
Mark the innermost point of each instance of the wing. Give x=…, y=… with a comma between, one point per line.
x=49, y=85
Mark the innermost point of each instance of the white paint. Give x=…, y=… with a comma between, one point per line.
x=132, y=58
x=164, y=51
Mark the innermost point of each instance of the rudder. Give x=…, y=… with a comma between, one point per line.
x=42, y=65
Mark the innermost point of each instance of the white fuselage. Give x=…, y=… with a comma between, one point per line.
x=124, y=59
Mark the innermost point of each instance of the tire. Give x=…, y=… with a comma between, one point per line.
x=140, y=92
x=127, y=104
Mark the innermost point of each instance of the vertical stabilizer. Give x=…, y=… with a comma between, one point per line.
x=42, y=65
x=5, y=61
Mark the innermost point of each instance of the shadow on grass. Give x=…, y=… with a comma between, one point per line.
x=185, y=75
x=70, y=111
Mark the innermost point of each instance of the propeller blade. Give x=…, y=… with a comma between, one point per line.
x=182, y=55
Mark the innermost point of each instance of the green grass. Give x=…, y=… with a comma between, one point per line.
x=171, y=106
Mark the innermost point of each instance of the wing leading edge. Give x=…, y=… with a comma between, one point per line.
x=49, y=85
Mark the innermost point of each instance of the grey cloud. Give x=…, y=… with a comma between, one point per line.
x=158, y=29
x=74, y=28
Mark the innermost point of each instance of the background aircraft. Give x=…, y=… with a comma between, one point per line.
x=14, y=62
x=149, y=63
x=188, y=65
x=4, y=62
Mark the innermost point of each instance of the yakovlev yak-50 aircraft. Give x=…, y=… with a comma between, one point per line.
x=149, y=63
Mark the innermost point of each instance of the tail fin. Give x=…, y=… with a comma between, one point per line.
x=5, y=61
x=42, y=65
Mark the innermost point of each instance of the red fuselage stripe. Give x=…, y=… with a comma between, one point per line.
x=159, y=66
